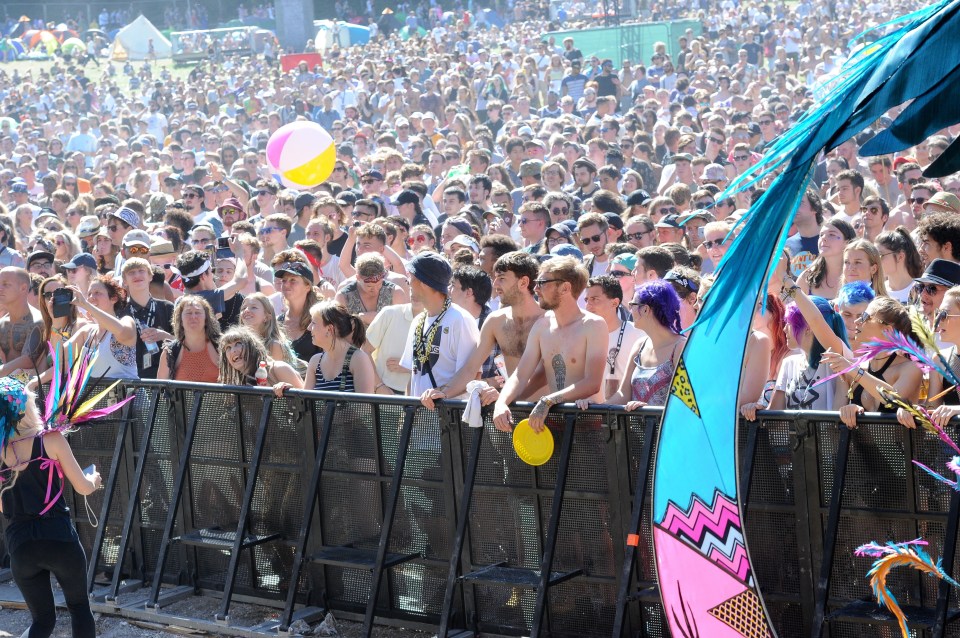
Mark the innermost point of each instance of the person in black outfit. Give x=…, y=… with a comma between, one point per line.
x=40, y=536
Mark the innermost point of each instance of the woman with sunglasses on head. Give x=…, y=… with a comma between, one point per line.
x=901, y=262
x=67, y=246
x=116, y=331
x=822, y=278
x=646, y=381
x=941, y=393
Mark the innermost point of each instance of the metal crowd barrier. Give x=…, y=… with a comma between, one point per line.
x=380, y=510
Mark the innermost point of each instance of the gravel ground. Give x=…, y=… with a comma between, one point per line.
x=13, y=622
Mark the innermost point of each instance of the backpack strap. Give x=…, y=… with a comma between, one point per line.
x=172, y=351
x=345, y=370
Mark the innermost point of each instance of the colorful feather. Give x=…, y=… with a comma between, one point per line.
x=890, y=557
x=919, y=414
x=953, y=484
x=900, y=344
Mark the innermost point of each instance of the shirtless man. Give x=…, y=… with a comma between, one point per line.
x=570, y=343
x=20, y=328
x=508, y=327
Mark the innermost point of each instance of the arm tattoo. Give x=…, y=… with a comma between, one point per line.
x=559, y=371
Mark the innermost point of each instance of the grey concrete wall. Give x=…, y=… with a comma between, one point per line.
x=294, y=23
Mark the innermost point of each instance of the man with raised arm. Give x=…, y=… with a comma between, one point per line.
x=506, y=329
x=570, y=343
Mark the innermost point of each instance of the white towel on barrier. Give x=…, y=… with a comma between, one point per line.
x=471, y=416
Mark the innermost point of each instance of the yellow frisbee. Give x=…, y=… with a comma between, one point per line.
x=532, y=448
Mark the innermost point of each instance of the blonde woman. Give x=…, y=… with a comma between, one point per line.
x=861, y=262
x=66, y=246
x=257, y=314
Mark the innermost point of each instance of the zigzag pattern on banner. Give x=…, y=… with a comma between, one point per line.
x=714, y=530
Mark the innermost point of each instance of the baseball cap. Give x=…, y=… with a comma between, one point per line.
x=706, y=216
x=375, y=174
x=463, y=240
x=303, y=200
x=680, y=157
x=128, y=216
x=39, y=254
x=297, y=268
x=638, y=197
x=566, y=250
x=81, y=259
x=614, y=220
x=19, y=187
x=137, y=238
x=406, y=196
x=531, y=168
x=669, y=221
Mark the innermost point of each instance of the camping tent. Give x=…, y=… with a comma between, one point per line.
x=344, y=34
x=133, y=42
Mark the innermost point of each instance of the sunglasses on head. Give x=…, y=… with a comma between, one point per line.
x=373, y=278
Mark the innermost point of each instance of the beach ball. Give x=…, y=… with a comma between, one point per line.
x=301, y=154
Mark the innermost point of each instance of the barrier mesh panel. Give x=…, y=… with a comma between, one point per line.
x=885, y=498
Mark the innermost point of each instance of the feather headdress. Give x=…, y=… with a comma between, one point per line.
x=891, y=556
x=70, y=401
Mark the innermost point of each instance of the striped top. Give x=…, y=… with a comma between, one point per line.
x=343, y=382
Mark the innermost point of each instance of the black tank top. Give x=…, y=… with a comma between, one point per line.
x=858, y=391
x=23, y=503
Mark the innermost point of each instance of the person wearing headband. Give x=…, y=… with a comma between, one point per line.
x=198, y=279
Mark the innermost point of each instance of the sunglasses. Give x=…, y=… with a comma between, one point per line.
x=714, y=242
x=637, y=236
x=716, y=141
x=540, y=283
x=419, y=239
x=672, y=210
x=589, y=240
x=560, y=211
x=374, y=279
x=138, y=250
x=264, y=192
x=918, y=200
x=621, y=273
x=940, y=316
x=740, y=158
x=190, y=195
x=369, y=181
x=707, y=203
x=266, y=230
x=873, y=210
x=930, y=289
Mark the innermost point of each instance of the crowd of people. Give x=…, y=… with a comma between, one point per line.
x=507, y=215
x=502, y=208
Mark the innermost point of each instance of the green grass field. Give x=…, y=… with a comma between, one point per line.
x=92, y=71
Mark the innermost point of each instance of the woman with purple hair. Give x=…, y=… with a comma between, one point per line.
x=646, y=381
x=796, y=387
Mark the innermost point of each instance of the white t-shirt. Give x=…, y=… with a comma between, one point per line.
x=456, y=340
x=631, y=334
x=795, y=379
x=388, y=335
x=902, y=295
